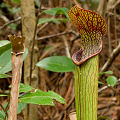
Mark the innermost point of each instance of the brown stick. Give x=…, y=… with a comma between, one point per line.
x=77, y=3
x=56, y=35
x=16, y=77
x=17, y=60
x=12, y=21
x=101, y=6
x=114, y=54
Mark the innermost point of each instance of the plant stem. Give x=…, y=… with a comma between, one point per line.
x=86, y=89
x=16, y=77
x=17, y=61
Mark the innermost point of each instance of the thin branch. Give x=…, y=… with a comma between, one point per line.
x=116, y=3
x=100, y=6
x=12, y=21
x=105, y=87
x=108, y=106
x=66, y=47
x=115, y=24
x=42, y=27
x=33, y=42
x=77, y=3
x=55, y=35
x=114, y=54
x=77, y=37
x=73, y=40
x=109, y=35
x=4, y=18
x=112, y=14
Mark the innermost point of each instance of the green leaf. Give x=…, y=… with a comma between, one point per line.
x=5, y=61
x=3, y=5
x=16, y=1
x=4, y=42
x=37, y=2
x=25, y=88
x=2, y=115
x=103, y=118
x=99, y=82
x=54, y=20
x=2, y=95
x=107, y=72
x=5, y=76
x=14, y=10
x=20, y=107
x=94, y=4
x=54, y=11
x=57, y=64
x=4, y=45
x=13, y=26
x=111, y=80
x=41, y=98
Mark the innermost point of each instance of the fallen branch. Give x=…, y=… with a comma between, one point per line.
x=12, y=21
x=55, y=35
x=42, y=27
x=114, y=54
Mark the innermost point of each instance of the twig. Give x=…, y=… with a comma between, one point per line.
x=77, y=37
x=4, y=18
x=110, y=13
x=116, y=3
x=114, y=54
x=115, y=24
x=108, y=106
x=55, y=35
x=73, y=40
x=105, y=87
x=109, y=37
x=6, y=114
x=69, y=90
x=70, y=102
x=42, y=27
x=77, y=3
x=17, y=60
x=33, y=43
x=100, y=6
x=12, y=21
x=66, y=46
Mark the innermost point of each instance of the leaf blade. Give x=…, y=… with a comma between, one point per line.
x=57, y=64
x=111, y=80
x=41, y=98
x=54, y=11
x=54, y=20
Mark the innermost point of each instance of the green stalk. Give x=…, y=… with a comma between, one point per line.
x=86, y=89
